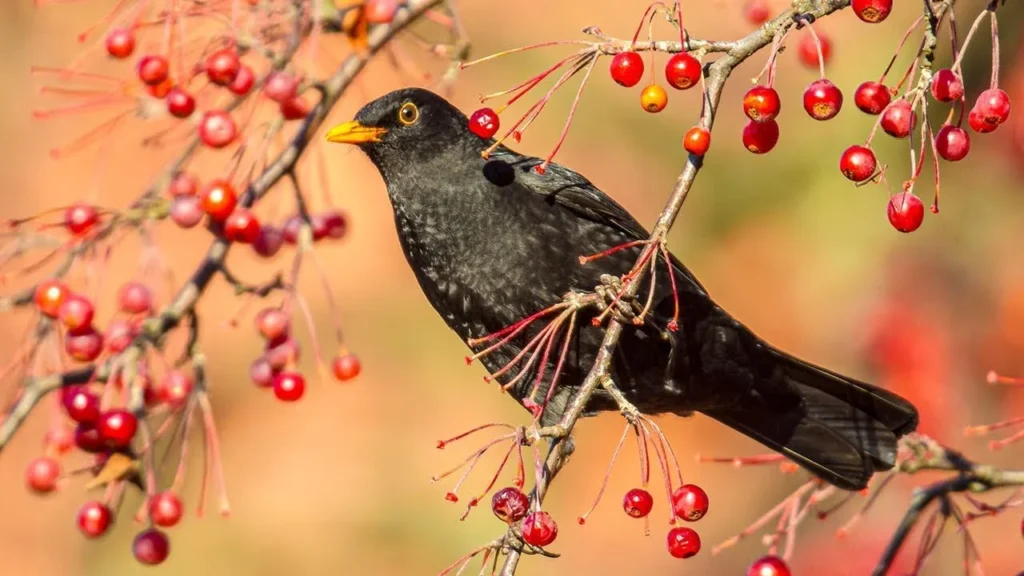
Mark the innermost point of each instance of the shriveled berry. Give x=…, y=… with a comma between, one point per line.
x=654, y=98
x=222, y=66
x=993, y=105
x=761, y=103
x=117, y=427
x=346, y=367
x=180, y=104
x=808, y=49
x=952, y=143
x=872, y=98
x=906, y=212
x=80, y=218
x=637, y=503
x=484, y=123
x=84, y=345
x=289, y=386
x=823, y=100
x=947, y=86
x=135, y=298
x=682, y=71
x=218, y=199
x=165, y=509
x=42, y=474
x=627, y=68
x=186, y=211
x=899, y=119
x=241, y=226
x=151, y=547
x=217, y=129
x=690, y=502
x=49, y=296
x=683, y=542
x=243, y=82
x=858, y=163
x=120, y=43
x=539, y=529
x=760, y=137
x=768, y=566
x=153, y=69
x=697, y=141
x=872, y=11
x=94, y=519
x=510, y=504
x=81, y=404
x=272, y=323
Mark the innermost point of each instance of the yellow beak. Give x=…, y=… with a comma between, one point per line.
x=354, y=133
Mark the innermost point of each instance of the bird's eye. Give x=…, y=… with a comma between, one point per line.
x=408, y=113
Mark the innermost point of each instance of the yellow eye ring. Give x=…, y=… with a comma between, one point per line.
x=408, y=114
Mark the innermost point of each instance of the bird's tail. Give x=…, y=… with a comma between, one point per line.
x=839, y=429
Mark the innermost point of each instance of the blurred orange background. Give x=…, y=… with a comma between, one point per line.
x=339, y=483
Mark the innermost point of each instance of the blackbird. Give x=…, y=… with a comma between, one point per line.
x=494, y=240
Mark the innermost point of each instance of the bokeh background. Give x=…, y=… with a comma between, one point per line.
x=339, y=483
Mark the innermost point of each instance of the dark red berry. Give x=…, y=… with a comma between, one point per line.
x=858, y=163
x=952, y=143
x=135, y=298
x=872, y=98
x=993, y=105
x=272, y=323
x=42, y=474
x=823, y=100
x=510, y=504
x=947, y=86
x=281, y=86
x=329, y=224
x=222, y=66
x=899, y=119
x=346, y=367
x=94, y=519
x=241, y=226
x=808, y=49
x=627, y=69
x=291, y=229
x=484, y=123
x=81, y=404
x=768, y=566
x=165, y=509
x=539, y=529
x=978, y=124
x=637, y=503
x=269, y=241
x=690, y=502
x=218, y=199
x=153, y=69
x=84, y=345
x=697, y=141
x=79, y=219
x=117, y=428
x=872, y=11
x=217, y=129
x=683, y=542
x=120, y=43
x=289, y=386
x=761, y=104
x=88, y=439
x=682, y=71
x=151, y=547
x=76, y=313
x=761, y=137
x=180, y=104
x=243, y=82
x=906, y=212
x=49, y=296
x=281, y=354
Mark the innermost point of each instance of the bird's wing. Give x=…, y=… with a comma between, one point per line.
x=572, y=191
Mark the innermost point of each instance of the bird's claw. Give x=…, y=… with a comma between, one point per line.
x=610, y=291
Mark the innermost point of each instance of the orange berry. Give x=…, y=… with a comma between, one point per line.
x=654, y=98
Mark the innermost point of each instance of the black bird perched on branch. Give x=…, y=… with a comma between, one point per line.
x=492, y=241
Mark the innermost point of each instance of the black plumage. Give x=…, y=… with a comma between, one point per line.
x=491, y=241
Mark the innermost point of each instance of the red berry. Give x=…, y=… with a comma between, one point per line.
x=947, y=86
x=165, y=509
x=81, y=404
x=151, y=547
x=161, y=90
x=637, y=503
x=768, y=566
x=653, y=99
x=683, y=542
x=42, y=474
x=906, y=212
x=872, y=11
x=539, y=529
x=978, y=123
x=484, y=123
x=952, y=143
x=117, y=428
x=85, y=345
x=627, y=69
x=49, y=296
x=241, y=226
x=858, y=163
x=183, y=184
x=218, y=199
x=120, y=43
x=186, y=211
x=295, y=108
x=899, y=119
x=380, y=11
x=80, y=219
x=291, y=230
x=135, y=298
x=217, y=129
x=757, y=12
x=993, y=105
x=261, y=373
x=281, y=354
x=510, y=504
x=346, y=367
x=153, y=69
x=119, y=336
x=809, y=49
x=761, y=104
x=272, y=323
x=697, y=141
x=289, y=386
x=690, y=502
x=872, y=98
x=682, y=71
x=761, y=137
x=222, y=66
x=823, y=100
x=329, y=224
x=180, y=104
x=175, y=387
x=60, y=439
x=88, y=439
x=243, y=82
x=281, y=86
x=94, y=519
x=76, y=313
x=269, y=241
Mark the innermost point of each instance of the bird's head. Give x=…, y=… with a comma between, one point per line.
x=405, y=126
